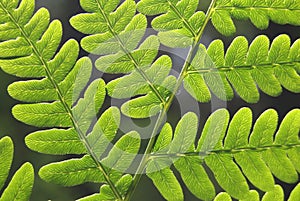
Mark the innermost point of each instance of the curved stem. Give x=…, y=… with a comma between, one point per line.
x=169, y=102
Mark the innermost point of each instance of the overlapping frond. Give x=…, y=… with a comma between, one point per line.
x=56, y=79
x=116, y=34
x=244, y=68
x=179, y=22
x=234, y=151
x=258, y=12
x=22, y=180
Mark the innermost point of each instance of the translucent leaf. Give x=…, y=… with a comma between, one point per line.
x=288, y=132
x=22, y=180
x=124, y=151
x=223, y=23
x=72, y=172
x=252, y=196
x=259, y=13
x=295, y=194
x=195, y=85
x=239, y=129
x=241, y=80
x=135, y=84
x=195, y=177
x=264, y=129
x=122, y=63
x=275, y=194
x=42, y=114
x=280, y=165
x=104, y=131
x=142, y=107
x=89, y=23
x=6, y=153
x=185, y=134
x=164, y=180
x=179, y=38
x=56, y=142
x=18, y=47
x=255, y=170
x=214, y=131
x=87, y=108
x=223, y=197
x=154, y=7
x=164, y=139
x=228, y=175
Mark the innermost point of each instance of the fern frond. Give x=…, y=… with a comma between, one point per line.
x=275, y=194
x=245, y=68
x=179, y=23
x=22, y=180
x=117, y=42
x=231, y=153
x=52, y=92
x=258, y=12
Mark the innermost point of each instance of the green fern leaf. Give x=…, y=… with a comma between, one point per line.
x=185, y=134
x=164, y=139
x=235, y=155
x=6, y=147
x=259, y=13
x=22, y=180
x=244, y=68
x=121, y=63
x=295, y=194
x=149, y=105
x=179, y=23
x=53, y=92
x=72, y=172
x=134, y=84
x=117, y=42
x=275, y=194
x=195, y=177
x=65, y=142
x=164, y=180
x=223, y=197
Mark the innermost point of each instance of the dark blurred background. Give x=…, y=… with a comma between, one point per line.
x=63, y=10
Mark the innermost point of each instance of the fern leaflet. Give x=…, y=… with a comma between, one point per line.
x=22, y=180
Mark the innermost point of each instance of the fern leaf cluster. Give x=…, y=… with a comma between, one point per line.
x=246, y=68
x=52, y=92
x=258, y=12
x=22, y=180
x=61, y=99
x=179, y=22
x=234, y=152
x=117, y=41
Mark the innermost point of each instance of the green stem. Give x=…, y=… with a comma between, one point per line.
x=225, y=151
x=244, y=67
x=162, y=115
